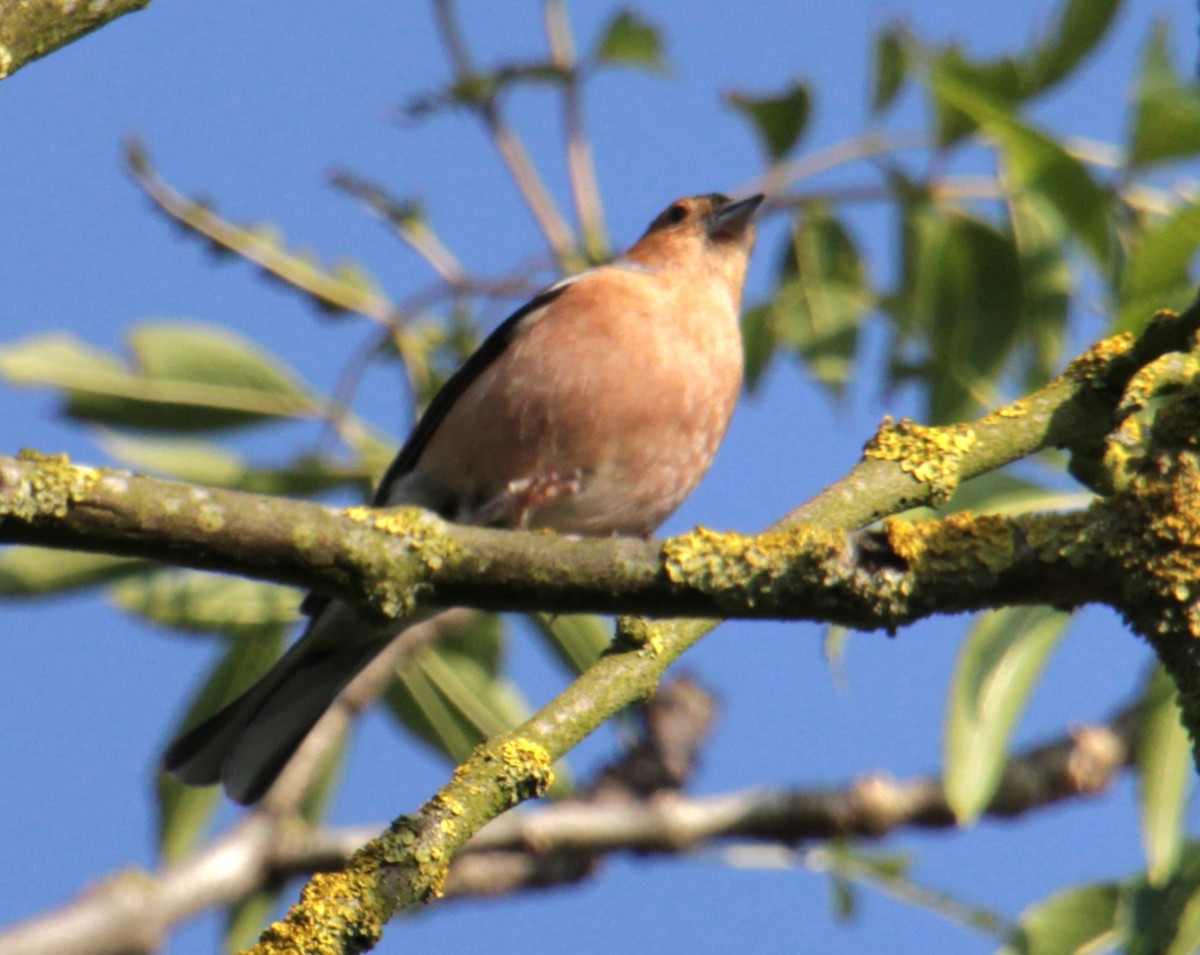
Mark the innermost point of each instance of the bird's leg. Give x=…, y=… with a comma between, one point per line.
x=524, y=496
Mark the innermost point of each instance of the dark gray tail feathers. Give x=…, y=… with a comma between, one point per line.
x=246, y=745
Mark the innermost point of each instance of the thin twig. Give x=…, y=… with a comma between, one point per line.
x=839, y=154
x=337, y=412
x=902, y=887
x=407, y=223
x=559, y=844
x=554, y=227
x=329, y=289
x=580, y=167
x=951, y=188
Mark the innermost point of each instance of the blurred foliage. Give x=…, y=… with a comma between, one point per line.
x=999, y=662
x=972, y=302
x=1131, y=916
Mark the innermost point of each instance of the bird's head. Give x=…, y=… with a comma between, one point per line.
x=710, y=230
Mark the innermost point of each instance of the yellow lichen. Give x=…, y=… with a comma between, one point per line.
x=933, y=456
x=1152, y=532
x=529, y=766
x=737, y=568
x=1050, y=540
x=49, y=487
x=210, y=517
x=1170, y=536
x=422, y=531
x=955, y=543
x=653, y=643
x=640, y=634
x=305, y=536
x=1015, y=409
x=334, y=907
x=1172, y=371
x=519, y=768
x=1094, y=363
x=706, y=558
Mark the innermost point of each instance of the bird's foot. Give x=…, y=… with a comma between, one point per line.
x=521, y=498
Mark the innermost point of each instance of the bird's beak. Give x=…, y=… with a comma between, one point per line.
x=732, y=219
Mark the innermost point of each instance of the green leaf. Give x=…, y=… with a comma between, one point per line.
x=760, y=340
x=999, y=79
x=890, y=68
x=1068, y=922
x=823, y=296
x=577, y=639
x=203, y=602
x=924, y=236
x=833, y=648
x=453, y=697
x=486, y=703
x=998, y=665
x=1163, y=917
x=1000, y=492
x=960, y=302
x=1166, y=114
x=202, y=462
x=629, y=40
x=845, y=898
x=974, y=327
x=184, y=814
x=1010, y=80
x=186, y=459
x=1034, y=161
x=184, y=811
x=779, y=120
x=481, y=642
x=354, y=275
x=35, y=571
x=185, y=376
x=1157, y=271
x=1164, y=776
x=414, y=700
x=1187, y=935
x=208, y=354
x=1046, y=285
x=1081, y=25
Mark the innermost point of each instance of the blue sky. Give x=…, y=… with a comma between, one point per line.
x=251, y=105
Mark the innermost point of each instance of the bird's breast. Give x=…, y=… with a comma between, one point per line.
x=631, y=391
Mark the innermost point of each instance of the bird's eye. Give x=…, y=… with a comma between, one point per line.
x=675, y=215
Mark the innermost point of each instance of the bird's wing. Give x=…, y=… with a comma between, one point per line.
x=492, y=348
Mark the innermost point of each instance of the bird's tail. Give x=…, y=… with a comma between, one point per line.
x=246, y=744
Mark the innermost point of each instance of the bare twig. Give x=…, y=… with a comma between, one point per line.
x=839, y=154
x=338, y=412
x=330, y=290
x=560, y=844
x=407, y=222
x=524, y=174
x=580, y=167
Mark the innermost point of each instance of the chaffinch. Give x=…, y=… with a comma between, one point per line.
x=596, y=408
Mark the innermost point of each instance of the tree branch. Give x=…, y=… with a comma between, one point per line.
x=393, y=560
x=1112, y=551
x=529, y=183
x=561, y=844
x=30, y=29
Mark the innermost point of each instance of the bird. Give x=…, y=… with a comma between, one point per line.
x=594, y=409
